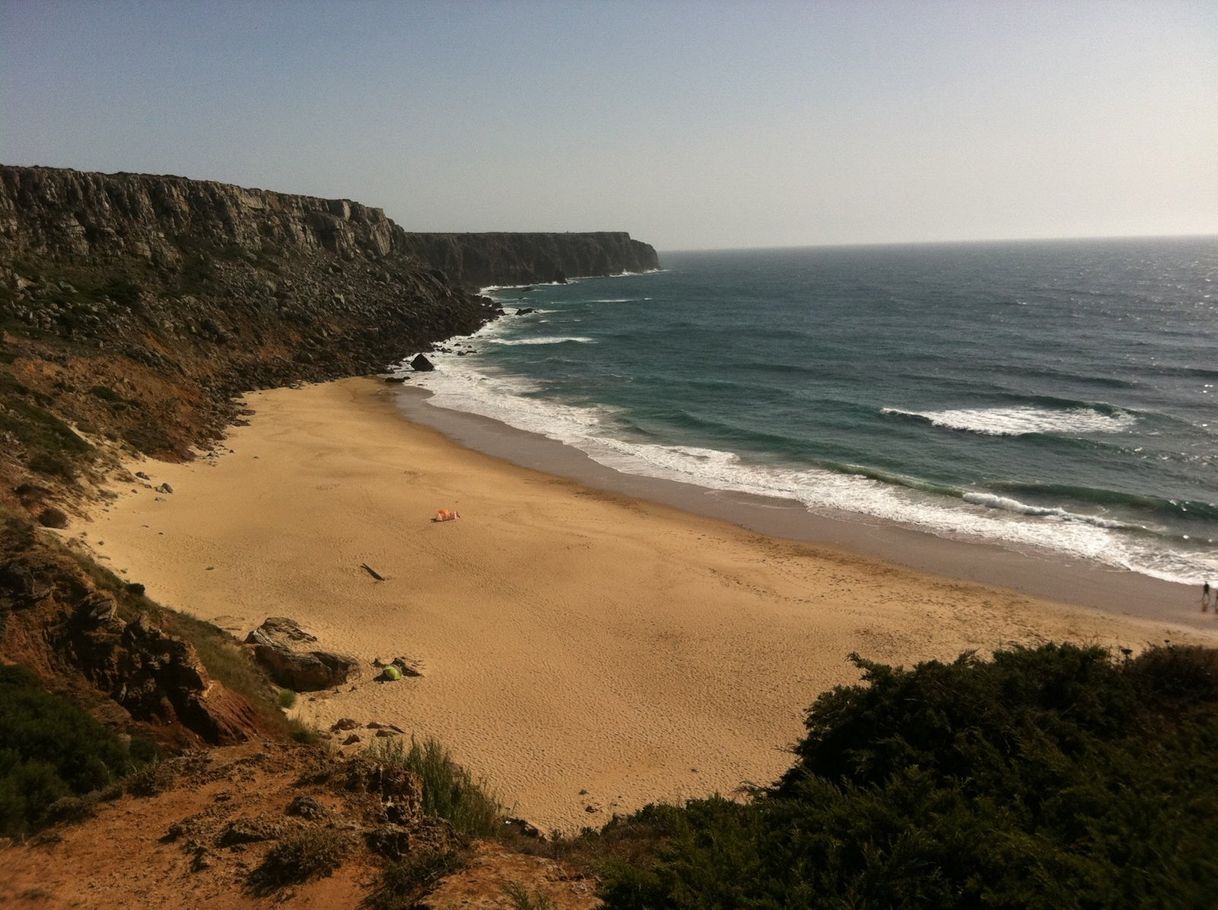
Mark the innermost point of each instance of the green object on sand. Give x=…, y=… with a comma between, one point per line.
x=392, y=673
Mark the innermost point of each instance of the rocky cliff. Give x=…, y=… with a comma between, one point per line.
x=479, y=260
x=137, y=305
x=133, y=310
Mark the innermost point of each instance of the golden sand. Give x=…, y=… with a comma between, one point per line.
x=581, y=649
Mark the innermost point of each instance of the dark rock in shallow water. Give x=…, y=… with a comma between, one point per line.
x=421, y=364
x=525, y=310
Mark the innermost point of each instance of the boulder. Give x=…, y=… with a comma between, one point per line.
x=421, y=364
x=277, y=648
x=525, y=310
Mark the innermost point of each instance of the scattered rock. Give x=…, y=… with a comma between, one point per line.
x=407, y=666
x=307, y=807
x=396, y=841
x=421, y=364
x=522, y=827
x=134, y=587
x=164, y=488
x=524, y=311
x=142, y=476
x=351, y=740
x=377, y=725
x=249, y=831
x=395, y=378
x=385, y=733
x=200, y=860
x=344, y=723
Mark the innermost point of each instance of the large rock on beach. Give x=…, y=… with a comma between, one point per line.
x=278, y=648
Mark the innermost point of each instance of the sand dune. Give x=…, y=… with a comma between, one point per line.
x=581, y=649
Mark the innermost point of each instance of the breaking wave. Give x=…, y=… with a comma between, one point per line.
x=1023, y=420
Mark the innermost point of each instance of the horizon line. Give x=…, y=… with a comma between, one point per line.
x=978, y=241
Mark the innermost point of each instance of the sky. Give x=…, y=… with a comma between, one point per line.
x=691, y=125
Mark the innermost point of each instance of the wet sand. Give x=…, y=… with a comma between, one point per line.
x=582, y=647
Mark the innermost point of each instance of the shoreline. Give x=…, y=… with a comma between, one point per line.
x=586, y=652
x=1033, y=572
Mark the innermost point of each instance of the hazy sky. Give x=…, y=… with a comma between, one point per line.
x=691, y=125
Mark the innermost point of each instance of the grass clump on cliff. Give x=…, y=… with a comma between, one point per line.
x=1051, y=776
x=52, y=754
x=301, y=857
x=449, y=790
x=405, y=883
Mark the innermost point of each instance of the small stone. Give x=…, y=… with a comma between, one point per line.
x=164, y=488
x=344, y=723
x=351, y=740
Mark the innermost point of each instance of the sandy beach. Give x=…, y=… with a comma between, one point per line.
x=586, y=652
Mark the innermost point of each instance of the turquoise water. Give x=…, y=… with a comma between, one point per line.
x=1061, y=395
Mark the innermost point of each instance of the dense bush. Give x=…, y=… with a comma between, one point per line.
x=1046, y=777
x=49, y=750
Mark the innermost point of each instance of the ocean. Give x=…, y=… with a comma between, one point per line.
x=1057, y=396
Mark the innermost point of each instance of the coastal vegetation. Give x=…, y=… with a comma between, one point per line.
x=450, y=792
x=1053, y=776
x=53, y=754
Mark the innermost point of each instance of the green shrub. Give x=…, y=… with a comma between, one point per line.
x=404, y=884
x=287, y=699
x=523, y=899
x=1046, y=777
x=153, y=778
x=50, y=751
x=309, y=854
x=449, y=791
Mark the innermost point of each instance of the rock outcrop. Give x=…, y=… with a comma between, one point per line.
x=57, y=619
x=137, y=306
x=281, y=647
x=480, y=260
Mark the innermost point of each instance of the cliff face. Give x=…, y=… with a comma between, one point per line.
x=479, y=260
x=137, y=305
x=133, y=309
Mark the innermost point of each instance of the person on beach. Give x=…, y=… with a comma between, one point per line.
x=1205, y=598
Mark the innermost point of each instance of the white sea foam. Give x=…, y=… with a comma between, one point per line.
x=457, y=384
x=545, y=339
x=1006, y=504
x=1023, y=420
